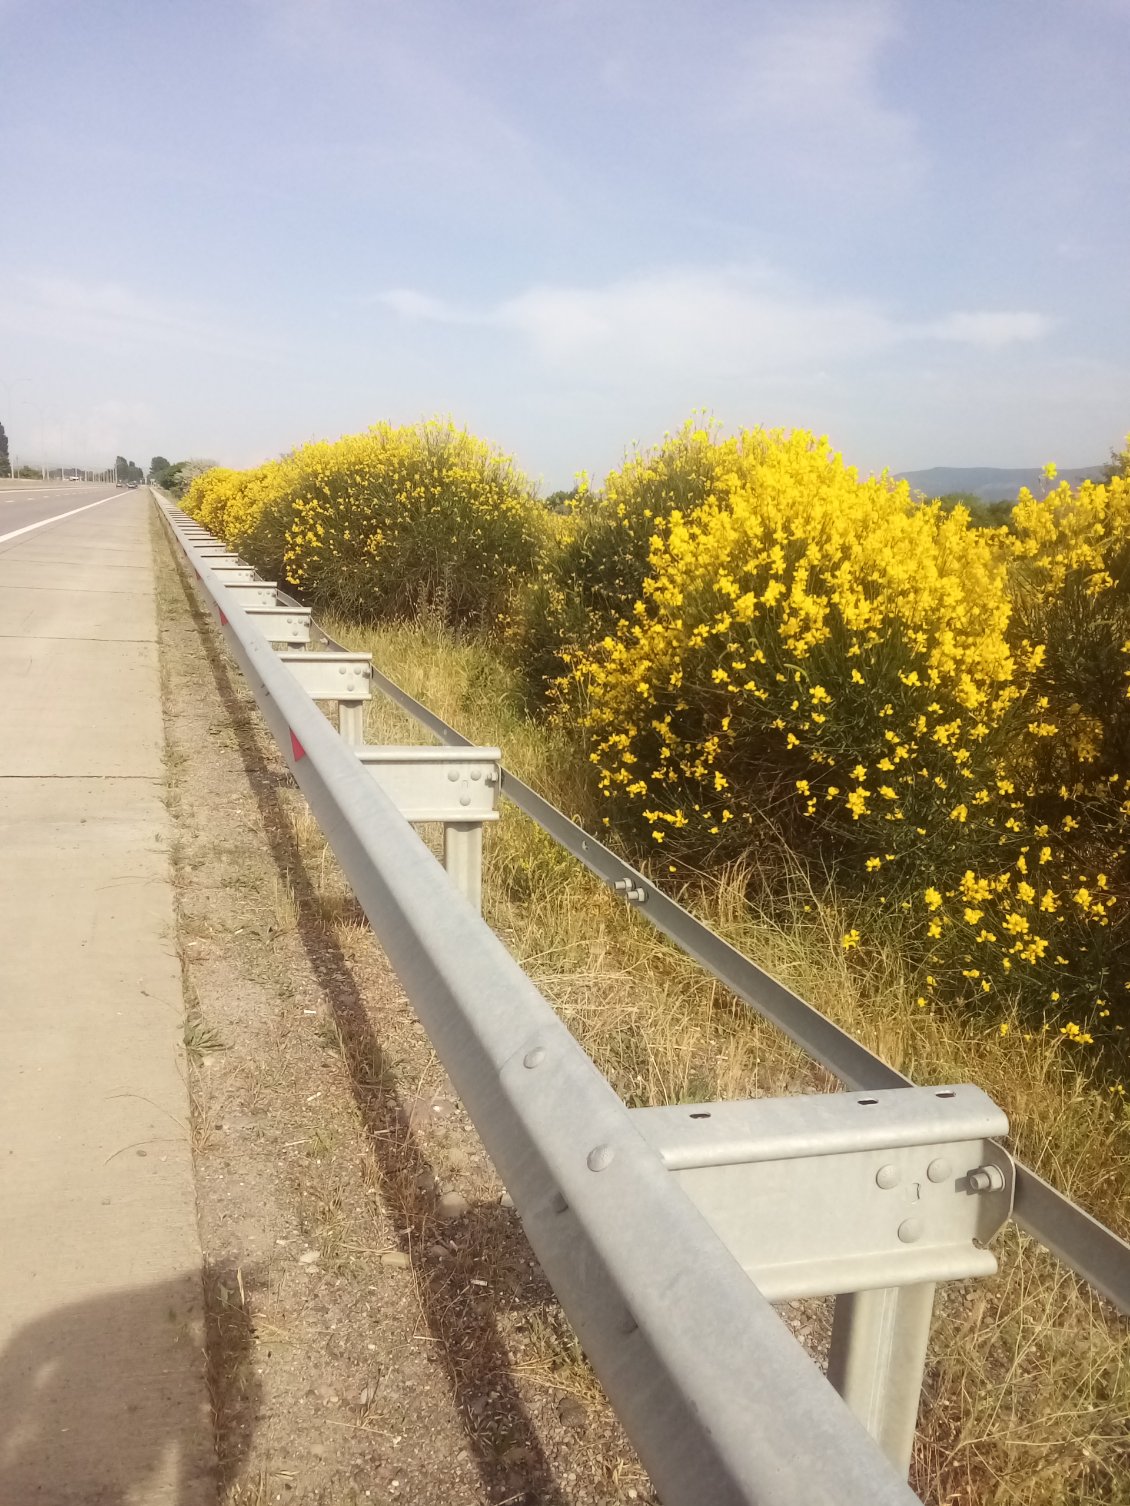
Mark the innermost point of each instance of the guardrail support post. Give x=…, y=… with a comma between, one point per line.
x=878, y=1355
x=463, y=858
x=351, y=722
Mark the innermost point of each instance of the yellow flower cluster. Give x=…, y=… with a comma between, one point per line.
x=820, y=658
x=1071, y=565
x=247, y=509
x=1083, y=533
x=803, y=633
x=387, y=523
x=595, y=574
x=1037, y=927
x=759, y=645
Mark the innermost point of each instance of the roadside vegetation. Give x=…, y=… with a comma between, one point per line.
x=882, y=749
x=756, y=651
x=176, y=476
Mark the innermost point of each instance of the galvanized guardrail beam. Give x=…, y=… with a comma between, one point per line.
x=871, y=1198
x=721, y=1402
x=1081, y=1242
x=844, y=1192
x=880, y=1334
x=335, y=675
x=281, y=624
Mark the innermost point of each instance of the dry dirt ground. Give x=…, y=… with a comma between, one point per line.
x=378, y=1329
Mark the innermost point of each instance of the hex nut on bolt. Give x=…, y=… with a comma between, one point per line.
x=986, y=1179
x=600, y=1157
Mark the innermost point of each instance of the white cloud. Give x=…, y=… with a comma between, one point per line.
x=730, y=321
x=990, y=331
x=414, y=305
x=721, y=322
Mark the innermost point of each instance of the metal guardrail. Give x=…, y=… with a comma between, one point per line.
x=723, y=1405
x=880, y=1333
x=1081, y=1242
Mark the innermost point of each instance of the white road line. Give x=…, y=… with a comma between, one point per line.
x=58, y=518
x=35, y=491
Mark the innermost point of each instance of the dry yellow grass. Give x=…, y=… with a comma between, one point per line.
x=1028, y=1387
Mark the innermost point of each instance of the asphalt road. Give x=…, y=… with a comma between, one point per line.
x=25, y=505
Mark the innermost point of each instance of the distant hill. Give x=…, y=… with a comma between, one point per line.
x=990, y=483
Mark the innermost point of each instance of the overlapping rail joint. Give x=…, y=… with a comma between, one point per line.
x=643, y=1220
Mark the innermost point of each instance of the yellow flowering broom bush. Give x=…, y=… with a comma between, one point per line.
x=1071, y=586
x=1071, y=591
x=594, y=575
x=396, y=521
x=384, y=524
x=209, y=496
x=250, y=510
x=758, y=644
x=825, y=660
x=1049, y=920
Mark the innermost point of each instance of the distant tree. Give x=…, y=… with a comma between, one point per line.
x=127, y=470
x=156, y=466
x=168, y=478
x=29, y=473
x=560, y=501
x=982, y=514
x=1119, y=462
x=185, y=473
x=5, y=463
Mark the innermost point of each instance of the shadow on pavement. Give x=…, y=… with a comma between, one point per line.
x=96, y=1409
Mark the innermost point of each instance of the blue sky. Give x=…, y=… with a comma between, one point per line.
x=232, y=225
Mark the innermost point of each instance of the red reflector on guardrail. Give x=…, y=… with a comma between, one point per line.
x=223, y=619
x=296, y=748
